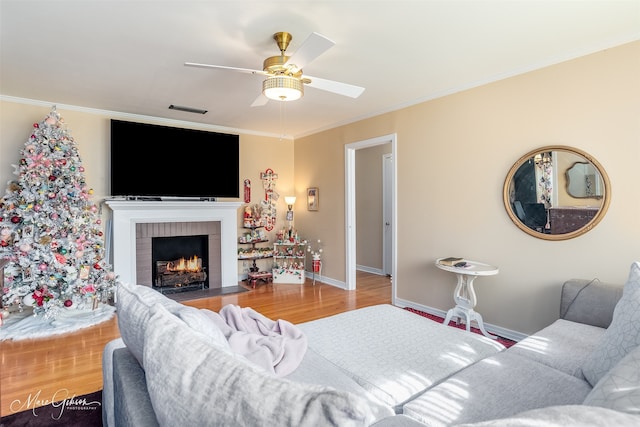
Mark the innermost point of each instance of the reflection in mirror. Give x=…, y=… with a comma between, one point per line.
x=556, y=192
x=583, y=180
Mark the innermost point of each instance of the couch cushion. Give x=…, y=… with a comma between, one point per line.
x=192, y=382
x=619, y=388
x=496, y=387
x=589, y=301
x=563, y=416
x=393, y=353
x=133, y=303
x=563, y=345
x=622, y=336
x=315, y=369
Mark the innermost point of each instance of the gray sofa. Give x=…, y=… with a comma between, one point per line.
x=381, y=366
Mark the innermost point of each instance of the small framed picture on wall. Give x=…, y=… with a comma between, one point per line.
x=312, y=199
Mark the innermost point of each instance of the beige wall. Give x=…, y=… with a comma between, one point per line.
x=453, y=154
x=452, y=157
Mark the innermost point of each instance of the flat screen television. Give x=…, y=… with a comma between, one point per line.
x=152, y=161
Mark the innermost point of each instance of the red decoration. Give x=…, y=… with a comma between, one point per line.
x=247, y=191
x=68, y=303
x=96, y=266
x=16, y=219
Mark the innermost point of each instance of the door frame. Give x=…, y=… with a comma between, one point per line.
x=350, y=208
x=387, y=213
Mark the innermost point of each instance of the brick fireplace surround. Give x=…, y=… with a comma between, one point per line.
x=129, y=215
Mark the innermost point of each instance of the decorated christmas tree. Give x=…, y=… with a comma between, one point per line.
x=50, y=231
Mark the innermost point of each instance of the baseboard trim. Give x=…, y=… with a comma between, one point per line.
x=497, y=330
x=371, y=270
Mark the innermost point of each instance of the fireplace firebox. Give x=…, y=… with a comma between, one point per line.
x=180, y=263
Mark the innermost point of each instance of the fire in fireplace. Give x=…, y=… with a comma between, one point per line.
x=178, y=263
x=180, y=273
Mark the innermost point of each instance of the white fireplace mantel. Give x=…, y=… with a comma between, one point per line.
x=128, y=213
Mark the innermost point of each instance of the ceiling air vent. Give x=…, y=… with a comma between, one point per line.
x=187, y=109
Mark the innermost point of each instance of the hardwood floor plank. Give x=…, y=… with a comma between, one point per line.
x=71, y=364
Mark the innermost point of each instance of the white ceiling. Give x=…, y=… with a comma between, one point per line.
x=127, y=56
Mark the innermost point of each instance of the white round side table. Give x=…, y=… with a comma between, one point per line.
x=464, y=294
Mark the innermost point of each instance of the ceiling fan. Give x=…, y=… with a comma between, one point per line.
x=284, y=78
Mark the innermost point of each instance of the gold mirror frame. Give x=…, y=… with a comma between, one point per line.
x=531, y=157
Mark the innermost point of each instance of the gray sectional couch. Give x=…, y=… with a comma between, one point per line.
x=381, y=366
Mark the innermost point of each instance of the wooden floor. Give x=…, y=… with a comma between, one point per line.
x=35, y=372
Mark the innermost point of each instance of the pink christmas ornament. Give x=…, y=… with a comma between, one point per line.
x=42, y=267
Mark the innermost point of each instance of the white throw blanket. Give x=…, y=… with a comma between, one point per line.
x=276, y=346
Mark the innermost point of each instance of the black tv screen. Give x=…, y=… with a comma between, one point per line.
x=162, y=161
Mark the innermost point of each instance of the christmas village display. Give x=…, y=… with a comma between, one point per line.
x=50, y=231
x=289, y=250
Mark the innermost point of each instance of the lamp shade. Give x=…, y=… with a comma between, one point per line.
x=290, y=200
x=282, y=88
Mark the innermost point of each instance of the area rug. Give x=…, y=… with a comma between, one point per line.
x=20, y=326
x=504, y=341
x=76, y=411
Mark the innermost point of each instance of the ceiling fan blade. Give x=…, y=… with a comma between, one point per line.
x=260, y=101
x=314, y=46
x=335, y=87
x=242, y=70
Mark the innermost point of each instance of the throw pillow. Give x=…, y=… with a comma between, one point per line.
x=132, y=306
x=133, y=303
x=192, y=382
x=622, y=336
x=199, y=320
x=619, y=389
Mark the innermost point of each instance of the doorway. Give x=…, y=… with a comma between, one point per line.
x=350, y=211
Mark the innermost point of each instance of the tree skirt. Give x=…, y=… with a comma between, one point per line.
x=20, y=326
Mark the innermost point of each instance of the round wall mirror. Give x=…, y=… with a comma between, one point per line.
x=556, y=192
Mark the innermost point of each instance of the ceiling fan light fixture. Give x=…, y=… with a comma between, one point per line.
x=282, y=88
